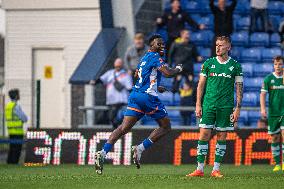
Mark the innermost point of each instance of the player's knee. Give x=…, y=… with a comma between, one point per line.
x=275, y=138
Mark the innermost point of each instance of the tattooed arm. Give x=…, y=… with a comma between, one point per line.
x=239, y=88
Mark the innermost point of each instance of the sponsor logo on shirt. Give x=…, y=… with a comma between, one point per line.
x=272, y=81
x=231, y=68
x=277, y=87
x=220, y=75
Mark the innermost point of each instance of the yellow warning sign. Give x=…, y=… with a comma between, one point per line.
x=48, y=72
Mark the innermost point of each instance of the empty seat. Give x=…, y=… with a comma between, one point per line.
x=205, y=52
x=236, y=53
x=251, y=55
x=242, y=7
x=275, y=7
x=253, y=117
x=166, y=82
x=200, y=38
x=192, y=7
x=207, y=21
x=250, y=99
x=240, y=38
x=263, y=69
x=197, y=68
x=248, y=69
x=259, y=39
x=275, y=40
x=269, y=53
x=243, y=23
x=253, y=84
x=243, y=119
x=166, y=98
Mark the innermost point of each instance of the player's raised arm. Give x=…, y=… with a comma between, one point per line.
x=170, y=72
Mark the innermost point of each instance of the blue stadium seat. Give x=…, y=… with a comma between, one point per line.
x=261, y=70
x=253, y=117
x=200, y=38
x=251, y=55
x=195, y=17
x=275, y=40
x=243, y=119
x=207, y=21
x=275, y=20
x=197, y=68
x=275, y=7
x=240, y=38
x=242, y=7
x=243, y=23
x=166, y=82
x=205, y=52
x=166, y=98
x=253, y=84
x=269, y=53
x=192, y=7
x=236, y=53
x=259, y=39
x=247, y=69
x=250, y=99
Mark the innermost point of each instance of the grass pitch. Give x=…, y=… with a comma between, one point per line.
x=149, y=176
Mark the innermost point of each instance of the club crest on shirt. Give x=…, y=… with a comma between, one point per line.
x=213, y=66
x=272, y=81
x=231, y=68
x=161, y=60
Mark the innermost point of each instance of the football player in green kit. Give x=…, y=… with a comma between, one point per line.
x=219, y=74
x=274, y=85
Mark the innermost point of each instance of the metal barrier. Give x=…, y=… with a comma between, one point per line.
x=85, y=109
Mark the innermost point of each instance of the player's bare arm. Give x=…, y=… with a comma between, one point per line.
x=200, y=90
x=239, y=88
x=262, y=104
x=170, y=72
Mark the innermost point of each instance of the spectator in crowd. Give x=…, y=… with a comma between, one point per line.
x=134, y=53
x=118, y=84
x=15, y=119
x=186, y=99
x=259, y=10
x=175, y=21
x=184, y=52
x=281, y=33
x=223, y=20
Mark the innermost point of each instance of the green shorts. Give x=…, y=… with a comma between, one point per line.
x=275, y=124
x=220, y=119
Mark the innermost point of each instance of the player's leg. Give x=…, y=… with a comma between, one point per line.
x=219, y=153
x=127, y=123
x=206, y=124
x=224, y=123
x=160, y=115
x=274, y=131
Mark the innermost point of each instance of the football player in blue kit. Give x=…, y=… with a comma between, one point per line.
x=144, y=100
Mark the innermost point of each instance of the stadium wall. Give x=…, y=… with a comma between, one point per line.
x=179, y=147
x=67, y=25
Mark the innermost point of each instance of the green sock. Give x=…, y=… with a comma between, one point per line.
x=202, y=149
x=275, y=148
x=220, y=150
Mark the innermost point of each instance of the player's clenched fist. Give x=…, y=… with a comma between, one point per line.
x=198, y=111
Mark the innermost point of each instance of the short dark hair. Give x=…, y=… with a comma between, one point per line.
x=278, y=58
x=153, y=37
x=174, y=0
x=224, y=38
x=13, y=94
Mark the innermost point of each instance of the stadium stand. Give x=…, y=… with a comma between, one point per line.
x=254, y=51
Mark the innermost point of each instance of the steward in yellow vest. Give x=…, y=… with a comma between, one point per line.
x=15, y=119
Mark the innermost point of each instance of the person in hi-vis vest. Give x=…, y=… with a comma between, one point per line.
x=15, y=119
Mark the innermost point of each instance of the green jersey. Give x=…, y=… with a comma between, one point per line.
x=221, y=77
x=273, y=84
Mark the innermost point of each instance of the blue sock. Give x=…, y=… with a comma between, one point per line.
x=107, y=147
x=147, y=143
